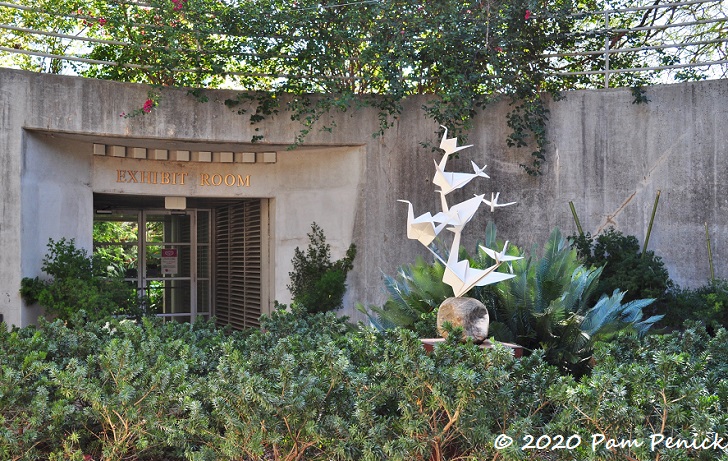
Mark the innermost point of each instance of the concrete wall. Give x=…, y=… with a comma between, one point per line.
x=56, y=199
x=607, y=155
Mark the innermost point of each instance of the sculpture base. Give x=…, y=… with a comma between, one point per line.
x=430, y=343
x=468, y=313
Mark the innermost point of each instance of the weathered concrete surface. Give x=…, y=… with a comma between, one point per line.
x=607, y=155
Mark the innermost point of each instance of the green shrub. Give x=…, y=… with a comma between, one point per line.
x=624, y=266
x=137, y=394
x=312, y=387
x=111, y=389
x=708, y=304
x=672, y=385
x=78, y=283
x=317, y=283
x=550, y=305
x=282, y=391
x=452, y=403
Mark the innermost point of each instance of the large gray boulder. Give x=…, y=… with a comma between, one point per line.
x=468, y=313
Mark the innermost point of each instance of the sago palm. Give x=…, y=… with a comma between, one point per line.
x=550, y=305
x=415, y=293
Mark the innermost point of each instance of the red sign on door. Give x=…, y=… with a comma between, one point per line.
x=169, y=261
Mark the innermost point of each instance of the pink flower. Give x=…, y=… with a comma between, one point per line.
x=528, y=15
x=123, y=114
x=148, y=104
x=102, y=21
x=88, y=458
x=498, y=49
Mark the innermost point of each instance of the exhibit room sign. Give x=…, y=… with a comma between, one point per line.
x=181, y=178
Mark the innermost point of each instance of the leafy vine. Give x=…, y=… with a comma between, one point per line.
x=330, y=56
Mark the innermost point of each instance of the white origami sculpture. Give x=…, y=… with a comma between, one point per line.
x=448, y=181
x=422, y=228
x=426, y=227
x=493, y=203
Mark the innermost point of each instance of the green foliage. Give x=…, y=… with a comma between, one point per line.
x=136, y=393
x=708, y=304
x=287, y=400
x=671, y=385
x=528, y=119
x=78, y=283
x=312, y=387
x=111, y=389
x=550, y=305
x=317, y=283
x=32, y=414
x=624, y=265
x=639, y=95
x=415, y=293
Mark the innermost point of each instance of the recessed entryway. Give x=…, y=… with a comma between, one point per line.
x=206, y=260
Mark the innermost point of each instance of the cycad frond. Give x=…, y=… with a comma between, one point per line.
x=549, y=304
x=577, y=295
x=609, y=312
x=415, y=291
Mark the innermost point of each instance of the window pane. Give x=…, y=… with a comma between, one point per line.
x=203, y=262
x=203, y=296
x=116, y=228
x=119, y=260
x=172, y=228
x=168, y=296
x=203, y=226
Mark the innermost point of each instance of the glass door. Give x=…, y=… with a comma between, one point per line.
x=165, y=254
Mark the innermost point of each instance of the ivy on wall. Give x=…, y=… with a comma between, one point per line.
x=466, y=54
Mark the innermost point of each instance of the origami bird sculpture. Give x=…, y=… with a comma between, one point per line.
x=426, y=227
x=422, y=228
x=449, y=181
x=461, y=277
x=458, y=214
x=450, y=145
x=493, y=202
x=501, y=257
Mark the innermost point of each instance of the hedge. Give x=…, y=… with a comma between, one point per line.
x=313, y=387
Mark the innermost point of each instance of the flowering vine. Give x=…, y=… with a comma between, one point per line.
x=151, y=102
x=466, y=54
